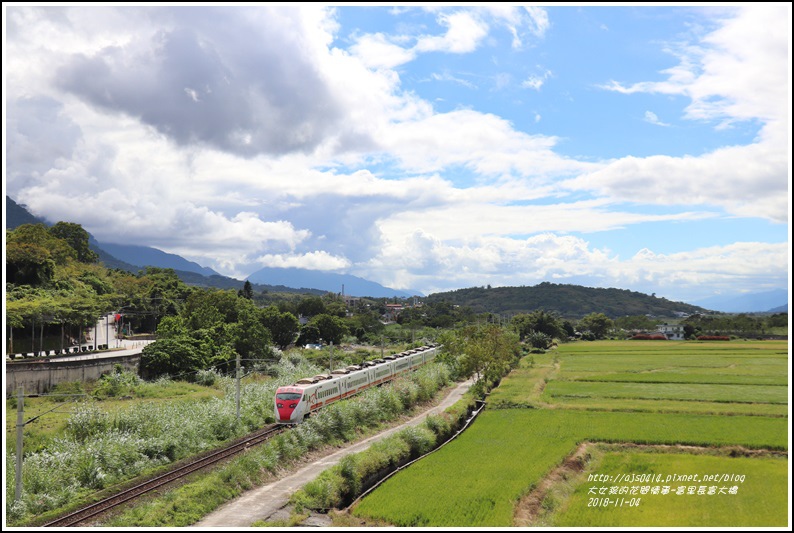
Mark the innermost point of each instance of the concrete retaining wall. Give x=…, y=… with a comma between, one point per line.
x=38, y=377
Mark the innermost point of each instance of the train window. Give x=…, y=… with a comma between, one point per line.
x=288, y=396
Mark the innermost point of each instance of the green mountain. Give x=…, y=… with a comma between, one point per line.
x=16, y=215
x=570, y=301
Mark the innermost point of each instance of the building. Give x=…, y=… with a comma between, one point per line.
x=671, y=331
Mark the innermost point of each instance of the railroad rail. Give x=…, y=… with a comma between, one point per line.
x=94, y=509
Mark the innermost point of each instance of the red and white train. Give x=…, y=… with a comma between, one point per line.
x=296, y=402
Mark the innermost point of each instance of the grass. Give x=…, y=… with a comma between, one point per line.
x=753, y=505
x=510, y=463
x=189, y=502
x=673, y=393
x=669, y=406
x=51, y=411
x=669, y=391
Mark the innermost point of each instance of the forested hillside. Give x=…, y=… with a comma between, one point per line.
x=570, y=301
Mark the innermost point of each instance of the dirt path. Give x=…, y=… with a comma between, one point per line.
x=263, y=502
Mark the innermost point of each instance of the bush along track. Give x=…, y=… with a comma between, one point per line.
x=341, y=422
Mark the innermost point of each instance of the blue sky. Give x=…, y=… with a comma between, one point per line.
x=424, y=147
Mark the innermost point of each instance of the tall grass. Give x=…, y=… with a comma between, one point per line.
x=186, y=505
x=100, y=448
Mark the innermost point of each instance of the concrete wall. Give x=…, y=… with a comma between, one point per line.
x=40, y=376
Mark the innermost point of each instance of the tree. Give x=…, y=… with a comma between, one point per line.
x=311, y=306
x=283, y=326
x=77, y=238
x=247, y=291
x=596, y=323
x=38, y=235
x=332, y=329
x=173, y=356
x=366, y=326
x=485, y=351
x=309, y=334
x=28, y=264
x=539, y=321
x=635, y=322
x=539, y=340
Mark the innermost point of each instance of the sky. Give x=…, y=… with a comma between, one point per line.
x=425, y=147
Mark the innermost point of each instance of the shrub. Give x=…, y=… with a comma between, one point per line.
x=207, y=377
x=649, y=337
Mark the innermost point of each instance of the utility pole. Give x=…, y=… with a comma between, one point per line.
x=20, y=425
x=331, y=363
x=238, y=387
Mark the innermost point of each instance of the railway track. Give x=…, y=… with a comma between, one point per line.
x=102, y=506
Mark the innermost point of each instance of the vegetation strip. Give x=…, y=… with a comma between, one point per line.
x=444, y=442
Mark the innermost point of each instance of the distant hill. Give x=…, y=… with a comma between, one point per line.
x=144, y=255
x=327, y=281
x=17, y=214
x=570, y=301
x=761, y=302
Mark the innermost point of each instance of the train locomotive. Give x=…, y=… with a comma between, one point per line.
x=295, y=402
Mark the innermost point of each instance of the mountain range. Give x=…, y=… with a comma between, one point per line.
x=132, y=258
x=344, y=283
x=767, y=301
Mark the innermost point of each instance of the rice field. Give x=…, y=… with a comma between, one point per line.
x=738, y=496
x=731, y=394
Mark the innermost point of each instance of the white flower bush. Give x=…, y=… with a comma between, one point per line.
x=100, y=449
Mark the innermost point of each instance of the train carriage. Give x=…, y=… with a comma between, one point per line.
x=295, y=402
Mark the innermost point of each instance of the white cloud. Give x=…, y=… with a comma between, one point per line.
x=536, y=82
x=476, y=213
x=652, y=118
x=484, y=143
x=375, y=51
x=744, y=180
x=319, y=260
x=520, y=20
x=422, y=260
x=297, y=152
x=446, y=76
x=738, y=72
x=464, y=33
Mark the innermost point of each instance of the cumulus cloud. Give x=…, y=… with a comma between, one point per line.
x=744, y=180
x=485, y=143
x=464, y=33
x=242, y=138
x=248, y=82
x=733, y=73
x=319, y=260
x=375, y=51
x=500, y=261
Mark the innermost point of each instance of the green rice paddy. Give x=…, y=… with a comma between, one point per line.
x=731, y=394
x=738, y=496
